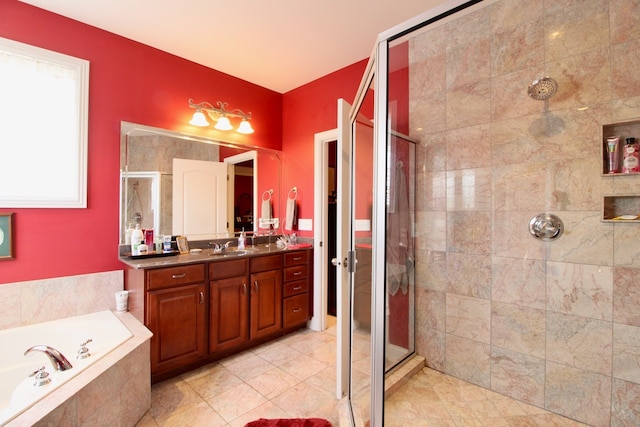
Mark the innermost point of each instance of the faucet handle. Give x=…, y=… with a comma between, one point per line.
x=41, y=377
x=83, y=353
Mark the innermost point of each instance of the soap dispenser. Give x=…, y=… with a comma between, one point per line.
x=136, y=240
x=241, y=239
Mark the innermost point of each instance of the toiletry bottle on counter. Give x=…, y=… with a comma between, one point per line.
x=241, y=239
x=613, y=153
x=631, y=156
x=136, y=240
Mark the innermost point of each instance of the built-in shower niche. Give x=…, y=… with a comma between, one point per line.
x=622, y=204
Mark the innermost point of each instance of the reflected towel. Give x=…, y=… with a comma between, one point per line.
x=265, y=219
x=290, y=218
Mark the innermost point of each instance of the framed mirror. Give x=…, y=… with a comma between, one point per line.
x=181, y=184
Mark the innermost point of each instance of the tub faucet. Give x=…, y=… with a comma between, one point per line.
x=59, y=362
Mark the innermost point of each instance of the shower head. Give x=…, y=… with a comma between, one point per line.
x=542, y=89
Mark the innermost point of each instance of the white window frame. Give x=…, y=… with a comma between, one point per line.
x=43, y=157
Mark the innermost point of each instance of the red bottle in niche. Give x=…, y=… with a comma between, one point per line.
x=631, y=156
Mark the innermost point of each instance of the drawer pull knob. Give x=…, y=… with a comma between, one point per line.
x=298, y=258
x=244, y=288
x=179, y=276
x=297, y=288
x=297, y=310
x=255, y=284
x=201, y=297
x=297, y=273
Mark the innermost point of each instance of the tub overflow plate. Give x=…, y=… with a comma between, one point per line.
x=546, y=226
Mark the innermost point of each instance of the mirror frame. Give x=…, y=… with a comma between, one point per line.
x=251, y=153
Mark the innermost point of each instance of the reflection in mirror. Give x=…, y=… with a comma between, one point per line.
x=180, y=184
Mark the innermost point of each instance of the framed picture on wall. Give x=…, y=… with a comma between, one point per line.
x=6, y=244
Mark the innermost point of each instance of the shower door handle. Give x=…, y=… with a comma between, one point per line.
x=336, y=262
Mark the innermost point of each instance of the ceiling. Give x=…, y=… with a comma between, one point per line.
x=279, y=45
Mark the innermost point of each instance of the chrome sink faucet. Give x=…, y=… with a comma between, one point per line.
x=219, y=248
x=59, y=362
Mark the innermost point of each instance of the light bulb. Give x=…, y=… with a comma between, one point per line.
x=245, y=127
x=223, y=124
x=199, y=119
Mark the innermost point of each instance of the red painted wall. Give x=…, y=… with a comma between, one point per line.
x=128, y=81
x=308, y=110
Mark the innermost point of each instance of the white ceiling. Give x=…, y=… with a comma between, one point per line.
x=279, y=45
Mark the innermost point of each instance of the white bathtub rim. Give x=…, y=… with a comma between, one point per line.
x=69, y=389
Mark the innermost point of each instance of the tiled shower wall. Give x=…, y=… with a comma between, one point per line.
x=554, y=324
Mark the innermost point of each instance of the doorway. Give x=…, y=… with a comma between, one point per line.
x=332, y=194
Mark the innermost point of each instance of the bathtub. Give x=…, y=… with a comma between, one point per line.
x=18, y=395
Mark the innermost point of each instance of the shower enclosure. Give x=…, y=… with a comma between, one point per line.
x=551, y=322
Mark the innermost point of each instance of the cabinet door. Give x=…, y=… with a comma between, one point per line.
x=228, y=318
x=266, y=303
x=176, y=316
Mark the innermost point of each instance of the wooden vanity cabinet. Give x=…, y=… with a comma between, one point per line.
x=296, y=304
x=266, y=295
x=176, y=314
x=228, y=305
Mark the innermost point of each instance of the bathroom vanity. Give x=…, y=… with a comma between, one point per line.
x=203, y=307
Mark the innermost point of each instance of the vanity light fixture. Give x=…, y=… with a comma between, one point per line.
x=220, y=115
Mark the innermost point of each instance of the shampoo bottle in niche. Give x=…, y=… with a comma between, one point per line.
x=136, y=240
x=631, y=157
x=613, y=153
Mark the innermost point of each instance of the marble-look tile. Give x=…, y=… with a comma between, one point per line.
x=45, y=300
x=431, y=270
x=468, y=317
x=469, y=190
x=469, y=147
x=303, y=400
x=578, y=394
x=302, y=367
x=431, y=231
x=576, y=185
x=511, y=236
x=586, y=239
x=584, y=78
x=518, y=47
x=431, y=152
x=96, y=292
x=469, y=105
x=267, y=410
x=626, y=252
x=573, y=27
x=430, y=344
x=518, y=328
x=171, y=397
x=249, y=367
x=580, y=289
x=430, y=43
x=200, y=415
x=579, y=342
x=624, y=403
x=626, y=296
x=625, y=109
x=519, y=281
x=10, y=296
x=468, y=63
x=430, y=310
x=518, y=376
x=469, y=360
x=325, y=379
x=626, y=352
x=469, y=275
x=469, y=232
x=520, y=187
x=625, y=81
x=468, y=27
x=624, y=20
x=272, y=382
x=211, y=380
x=236, y=401
x=509, y=13
x=431, y=188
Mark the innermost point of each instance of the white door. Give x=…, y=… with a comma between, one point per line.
x=199, y=199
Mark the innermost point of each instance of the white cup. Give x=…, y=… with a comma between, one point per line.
x=122, y=300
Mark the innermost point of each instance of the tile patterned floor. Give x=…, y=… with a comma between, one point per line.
x=295, y=377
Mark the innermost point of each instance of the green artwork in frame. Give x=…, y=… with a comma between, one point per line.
x=6, y=248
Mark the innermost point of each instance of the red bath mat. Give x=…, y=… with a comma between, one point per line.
x=289, y=422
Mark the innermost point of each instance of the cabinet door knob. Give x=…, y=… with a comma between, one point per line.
x=255, y=285
x=179, y=276
x=244, y=288
x=201, y=297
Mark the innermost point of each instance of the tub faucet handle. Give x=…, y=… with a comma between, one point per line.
x=83, y=353
x=41, y=377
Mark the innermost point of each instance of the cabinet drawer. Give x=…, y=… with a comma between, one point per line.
x=167, y=277
x=296, y=273
x=224, y=269
x=295, y=310
x=296, y=258
x=296, y=287
x=265, y=263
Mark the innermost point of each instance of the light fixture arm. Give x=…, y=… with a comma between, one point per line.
x=220, y=111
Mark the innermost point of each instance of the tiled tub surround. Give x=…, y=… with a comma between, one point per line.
x=555, y=324
x=116, y=390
